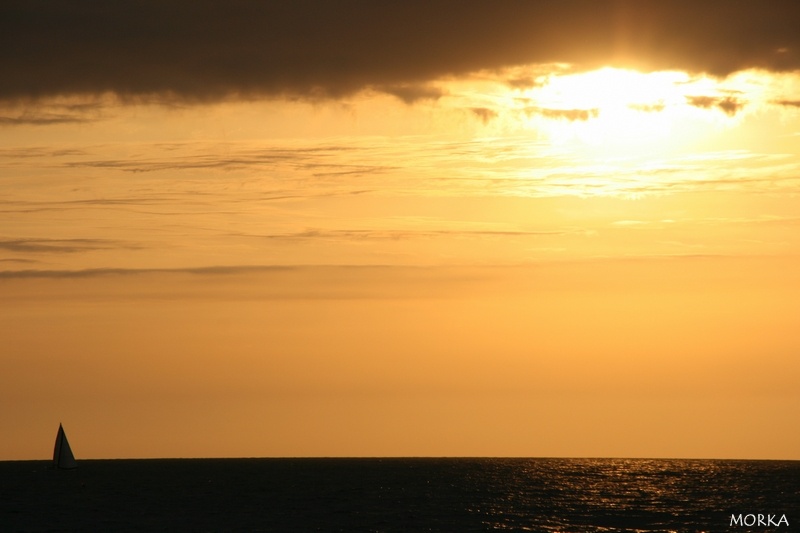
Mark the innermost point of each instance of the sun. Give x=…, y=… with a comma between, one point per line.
x=616, y=110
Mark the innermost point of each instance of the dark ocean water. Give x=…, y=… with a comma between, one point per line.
x=403, y=495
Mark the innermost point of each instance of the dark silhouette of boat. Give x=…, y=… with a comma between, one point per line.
x=62, y=454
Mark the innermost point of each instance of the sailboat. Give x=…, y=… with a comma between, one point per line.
x=62, y=454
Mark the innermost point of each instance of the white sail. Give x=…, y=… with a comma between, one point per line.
x=62, y=454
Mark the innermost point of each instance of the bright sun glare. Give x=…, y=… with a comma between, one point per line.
x=614, y=109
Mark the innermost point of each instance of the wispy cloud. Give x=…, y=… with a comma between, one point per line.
x=230, y=156
x=405, y=234
x=789, y=103
x=412, y=93
x=566, y=114
x=17, y=260
x=245, y=282
x=58, y=111
x=102, y=272
x=649, y=108
x=68, y=246
x=485, y=114
x=728, y=104
x=41, y=119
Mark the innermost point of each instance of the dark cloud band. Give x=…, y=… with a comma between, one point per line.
x=207, y=50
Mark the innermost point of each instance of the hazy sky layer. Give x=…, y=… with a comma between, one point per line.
x=359, y=228
x=622, y=358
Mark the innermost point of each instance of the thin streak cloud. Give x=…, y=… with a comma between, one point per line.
x=41, y=120
x=68, y=246
x=393, y=235
x=567, y=114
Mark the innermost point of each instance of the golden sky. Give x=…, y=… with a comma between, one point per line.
x=417, y=229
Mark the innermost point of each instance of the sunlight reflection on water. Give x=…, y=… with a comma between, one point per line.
x=382, y=495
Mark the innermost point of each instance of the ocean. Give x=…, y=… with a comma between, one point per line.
x=402, y=495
